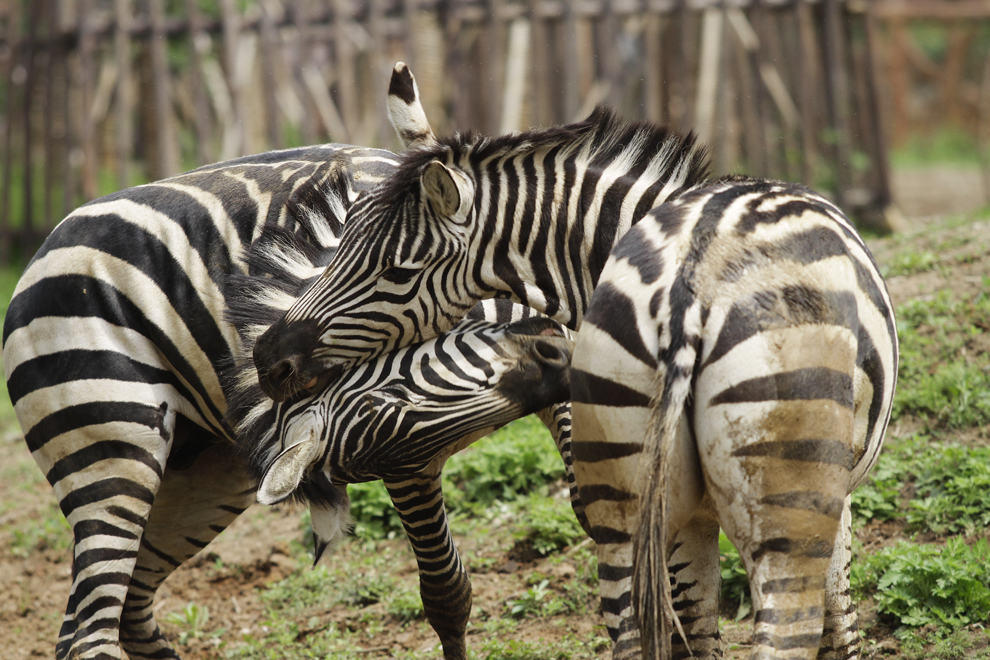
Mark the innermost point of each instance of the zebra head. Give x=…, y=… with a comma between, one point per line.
x=403, y=413
x=402, y=243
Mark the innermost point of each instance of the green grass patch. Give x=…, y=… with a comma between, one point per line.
x=944, y=374
x=918, y=585
x=929, y=485
x=548, y=523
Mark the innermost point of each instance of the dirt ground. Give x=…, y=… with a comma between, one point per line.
x=225, y=577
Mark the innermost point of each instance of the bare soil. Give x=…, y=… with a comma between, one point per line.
x=227, y=577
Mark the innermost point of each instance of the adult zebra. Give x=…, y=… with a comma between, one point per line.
x=118, y=351
x=532, y=217
x=740, y=343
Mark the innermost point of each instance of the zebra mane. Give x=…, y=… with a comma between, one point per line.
x=603, y=133
x=282, y=262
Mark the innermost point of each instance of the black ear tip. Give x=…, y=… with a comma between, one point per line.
x=401, y=85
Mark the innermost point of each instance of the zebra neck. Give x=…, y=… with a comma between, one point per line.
x=548, y=251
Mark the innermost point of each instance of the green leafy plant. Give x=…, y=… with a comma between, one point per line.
x=191, y=622
x=530, y=603
x=372, y=511
x=549, y=523
x=929, y=585
x=735, y=582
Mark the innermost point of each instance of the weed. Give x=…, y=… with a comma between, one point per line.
x=735, y=582
x=909, y=263
x=530, y=604
x=549, y=523
x=372, y=511
x=514, y=461
x=49, y=531
x=929, y=585
x=191, y=622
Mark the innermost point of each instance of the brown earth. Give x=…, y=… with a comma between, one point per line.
x=227, y=576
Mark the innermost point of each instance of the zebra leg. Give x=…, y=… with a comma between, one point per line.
x=777, y=462
x=105, y=476
x=557, y=419
x=443, y=581
x=695, y=578
x=840, y=640
x=205, y=487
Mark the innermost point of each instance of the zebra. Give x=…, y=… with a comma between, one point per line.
x=115, y=345
x=531, y=217
x=398, y=418
x=741, y=347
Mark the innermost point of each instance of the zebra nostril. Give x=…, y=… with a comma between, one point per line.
x=282, y=371
x=548, y=352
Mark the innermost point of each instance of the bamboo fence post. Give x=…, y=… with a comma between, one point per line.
x=167, y=137
x=68, y=170
x=543, y=90
x=48, y=219
x=809, y=87
x=198, y=43
x=125, y=103
x=711, y=45
x=750, y=98
x=653, y=91
x=302, y=60
x=838, y=96
x=570, y=61
x=86, y=48
x=5, y=133
x=231, y=26
x=517, y=54
x=27, y=221
x=345, y=61
x=269, y=38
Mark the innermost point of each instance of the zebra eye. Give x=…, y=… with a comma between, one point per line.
x=398, y=275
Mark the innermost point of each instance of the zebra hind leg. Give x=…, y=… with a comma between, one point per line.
x=695, y=579
x=840, y=640
x=204, y=488
x=105, y=476
x=443, y=581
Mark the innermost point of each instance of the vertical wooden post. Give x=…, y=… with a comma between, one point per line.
x=87, y=132
x=711, y=46
x=809, y=91
x=125, y=103
x=891, y=220
x=898, y=79
x=51, y=31
x=231, y=25
x=168, y=142
x=269, y=39
x=838, y=96
x=5, y=132
x=198, y=41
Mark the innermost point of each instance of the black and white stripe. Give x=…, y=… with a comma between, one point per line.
x=736, y=367
x=531, y=217
x=397, y=418
x=114, y=348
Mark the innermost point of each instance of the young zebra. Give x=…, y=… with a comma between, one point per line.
x=531, y=217
x=398, y=418
x=740, y=346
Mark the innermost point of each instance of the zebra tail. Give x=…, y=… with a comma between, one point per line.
x=651, y=585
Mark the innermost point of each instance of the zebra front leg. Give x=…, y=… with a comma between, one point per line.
x=205, y=487
x=443, y=581
x=557, y=419
x=840, y=639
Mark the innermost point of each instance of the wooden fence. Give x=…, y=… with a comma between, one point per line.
x=99, y=95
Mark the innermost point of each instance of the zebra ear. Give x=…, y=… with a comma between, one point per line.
x=286, y=472
x=440, y=189
x=405, y=112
